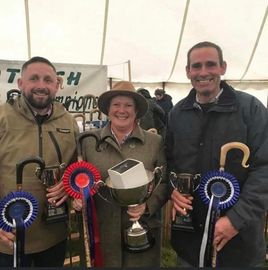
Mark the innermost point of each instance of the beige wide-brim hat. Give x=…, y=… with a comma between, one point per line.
x=124, y=88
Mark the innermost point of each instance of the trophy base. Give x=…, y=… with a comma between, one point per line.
x=138, y=239
x=56, y=214
x=183, y=223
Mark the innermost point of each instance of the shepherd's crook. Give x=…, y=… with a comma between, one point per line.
x=224, y=149
x=228, y=146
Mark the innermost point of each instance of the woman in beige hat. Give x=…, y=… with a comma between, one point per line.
x=123, y=138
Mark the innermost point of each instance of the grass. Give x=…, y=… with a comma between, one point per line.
x=168, y=256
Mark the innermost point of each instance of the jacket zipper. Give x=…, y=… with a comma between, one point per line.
x=40, y=141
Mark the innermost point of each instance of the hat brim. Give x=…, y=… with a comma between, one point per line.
x=105, y=98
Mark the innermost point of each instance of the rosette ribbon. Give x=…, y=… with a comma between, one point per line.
x=81, y=180
x=18, y=210
x=219, y=190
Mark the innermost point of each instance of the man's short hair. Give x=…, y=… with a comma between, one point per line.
x=37, y=59
x=159, y=92
x=205, y=44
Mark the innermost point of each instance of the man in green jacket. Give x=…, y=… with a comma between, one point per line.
x=34, y=124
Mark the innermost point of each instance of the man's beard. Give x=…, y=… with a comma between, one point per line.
x=39, y=104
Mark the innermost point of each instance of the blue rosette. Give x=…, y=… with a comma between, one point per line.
x=219, y=190
x=222, y=185
x=18, y=205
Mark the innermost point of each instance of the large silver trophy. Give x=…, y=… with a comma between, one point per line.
x=130, y=184
x=185, y=184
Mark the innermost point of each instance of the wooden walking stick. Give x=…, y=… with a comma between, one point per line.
x=80, y=180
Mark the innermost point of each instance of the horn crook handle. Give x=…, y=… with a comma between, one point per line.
x=228, y=146
x=224, y=149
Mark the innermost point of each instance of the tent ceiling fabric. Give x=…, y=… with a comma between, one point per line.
x=154, y=35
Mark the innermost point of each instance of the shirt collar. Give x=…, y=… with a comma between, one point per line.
x=48, y=113
x=125, y=136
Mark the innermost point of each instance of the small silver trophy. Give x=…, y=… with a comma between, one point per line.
x=130, y=184
x=49, y=177
x=184, y=183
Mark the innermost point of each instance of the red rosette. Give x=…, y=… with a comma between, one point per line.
x=79, y=175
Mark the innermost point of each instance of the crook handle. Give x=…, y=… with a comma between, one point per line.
x=228, y=146
x=95, y=111
x=80, y=137
x=11, y=92
x=21, y=164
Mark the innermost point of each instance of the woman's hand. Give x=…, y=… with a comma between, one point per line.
x=136, y=211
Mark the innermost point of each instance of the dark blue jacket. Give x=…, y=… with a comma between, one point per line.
x=193, y=145
x=165, y=103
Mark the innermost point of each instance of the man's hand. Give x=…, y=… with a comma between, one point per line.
x=56, y=194
x=224, y=231
x=7, y=238
x=181, y=203
x=136, y=211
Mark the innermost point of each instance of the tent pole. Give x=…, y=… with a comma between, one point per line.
x=110, y=83
x=27, y=17
x=163, y=85
x=129, y=70
x=104, y=30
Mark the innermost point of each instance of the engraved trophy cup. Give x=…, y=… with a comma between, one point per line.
x=185, y=184
x=50, y=176
x=130, y=184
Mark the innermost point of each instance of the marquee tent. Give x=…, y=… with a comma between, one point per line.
x=142, y=40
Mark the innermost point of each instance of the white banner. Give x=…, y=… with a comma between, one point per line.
x=78, y=82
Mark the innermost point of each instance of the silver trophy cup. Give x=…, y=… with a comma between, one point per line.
x=130, y=184
x=184, y=183
x=49, y=177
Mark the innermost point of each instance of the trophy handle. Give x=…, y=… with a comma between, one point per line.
x=156, y=172
x=101, y=184
x=173, y=177
x=228, y=146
